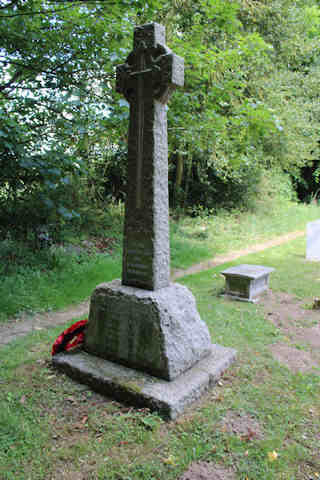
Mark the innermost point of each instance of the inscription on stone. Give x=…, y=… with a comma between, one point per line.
x=138, y=260
x=148, y=77
x=138, y=263
x=159, y=332
x=112, y=338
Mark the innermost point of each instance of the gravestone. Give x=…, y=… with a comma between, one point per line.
x=246, y=282
x=313, y=240
x=145, y=341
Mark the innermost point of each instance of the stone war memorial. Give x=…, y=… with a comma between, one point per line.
x=145, y=343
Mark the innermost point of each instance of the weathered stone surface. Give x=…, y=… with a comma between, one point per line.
x=159, y=331
x=140, y=389
x=147, y=79
x=246, y=282
x=313, y=240
x=144, y=322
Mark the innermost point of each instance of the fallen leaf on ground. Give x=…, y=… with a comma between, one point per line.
x=272, y=456
x=170, y=460
x=249, y=436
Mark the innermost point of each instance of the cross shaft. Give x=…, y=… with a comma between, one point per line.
x=148, y=77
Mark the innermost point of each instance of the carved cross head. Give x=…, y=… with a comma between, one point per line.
x=152, y=63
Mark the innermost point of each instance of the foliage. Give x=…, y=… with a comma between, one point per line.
x=249, y=103
x=51, y=56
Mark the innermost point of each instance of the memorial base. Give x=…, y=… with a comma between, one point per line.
x=159, y=332
x=146, y=348
x=133, y=387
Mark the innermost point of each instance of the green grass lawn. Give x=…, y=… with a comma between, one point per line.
x=51, y=428
x=44, y=281
x=197, y=239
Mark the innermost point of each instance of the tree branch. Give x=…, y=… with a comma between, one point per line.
x=14, y=2
x=72, y=3
x=10, y=82
x=40, y=12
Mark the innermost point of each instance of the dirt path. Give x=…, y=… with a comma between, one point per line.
x=219, y=259
x=23, y=325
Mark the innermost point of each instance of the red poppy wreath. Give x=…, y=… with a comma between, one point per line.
x=71, y=337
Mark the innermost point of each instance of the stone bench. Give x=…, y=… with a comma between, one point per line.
x=246, y=282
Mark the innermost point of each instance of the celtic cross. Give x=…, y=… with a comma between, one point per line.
x=147, y=79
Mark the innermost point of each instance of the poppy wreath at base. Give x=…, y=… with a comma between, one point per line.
x=70, y=338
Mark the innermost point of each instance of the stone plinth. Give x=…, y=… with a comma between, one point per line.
x=313, y=240
x=246, y=282
x=133, y=387
x=159, y=331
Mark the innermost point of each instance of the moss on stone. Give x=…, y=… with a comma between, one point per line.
x=132, y=386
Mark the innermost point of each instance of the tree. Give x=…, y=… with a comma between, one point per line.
x=249, y=102
x=57, y=61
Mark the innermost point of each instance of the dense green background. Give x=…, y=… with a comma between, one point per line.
x=246, y=122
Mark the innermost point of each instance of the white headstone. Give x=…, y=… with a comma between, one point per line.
x=313, y=240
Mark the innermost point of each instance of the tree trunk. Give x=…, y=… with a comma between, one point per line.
x=179, y=177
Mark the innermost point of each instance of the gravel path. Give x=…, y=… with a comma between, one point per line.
x=23, y=325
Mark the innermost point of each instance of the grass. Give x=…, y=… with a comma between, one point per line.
x=52, y=428
x=71, y=281
x=53, y=280
x=201, y=238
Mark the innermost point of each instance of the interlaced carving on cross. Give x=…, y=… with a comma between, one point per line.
x=151, y=65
